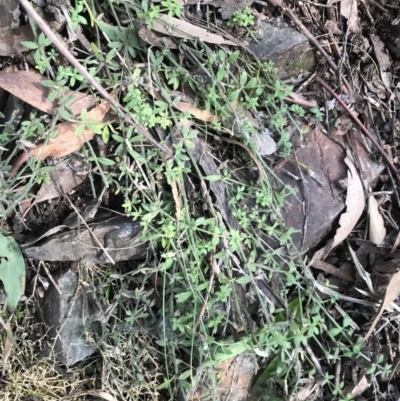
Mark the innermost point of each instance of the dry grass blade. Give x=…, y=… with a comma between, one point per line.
x=392, y=292
x=8, y=346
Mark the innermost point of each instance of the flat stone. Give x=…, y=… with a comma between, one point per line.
x=288, y=49
x=67, y=316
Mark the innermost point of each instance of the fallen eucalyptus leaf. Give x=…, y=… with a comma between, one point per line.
x=12, y=270
x=65, y=142
x=392, y=292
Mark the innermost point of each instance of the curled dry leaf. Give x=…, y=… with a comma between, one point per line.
x=377, y=230
x=355, y=203
x=65, y=142
x=27, y=86
x=392, y=292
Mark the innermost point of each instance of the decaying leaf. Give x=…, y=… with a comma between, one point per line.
x=65, y=142
x=349, y=10
x=392, y=292
x=200, y=114
x=183, y=29
x=66, y=175
x=304, y=393
x=377, y=230
x=328, y=268
x=384, y=63
x=11, y=38
x=12, y=270
x=357, y=390
x=203, y=115
x=155, y=40
x=355, y=203
x=27, y=86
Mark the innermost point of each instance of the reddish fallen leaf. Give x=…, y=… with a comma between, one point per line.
x=27, y=86
x=65, y=142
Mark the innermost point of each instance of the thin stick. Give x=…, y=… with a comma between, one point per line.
x=82, y=70
x=362, y=126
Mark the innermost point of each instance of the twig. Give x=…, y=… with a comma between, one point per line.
x=362, y=126
x=82, y=70
x=309, y=35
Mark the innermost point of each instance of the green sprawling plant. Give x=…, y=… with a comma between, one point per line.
x=182, y=311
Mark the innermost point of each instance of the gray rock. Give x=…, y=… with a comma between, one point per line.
x=67, y=316
x=288, y=49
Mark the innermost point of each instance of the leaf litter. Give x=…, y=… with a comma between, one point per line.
x=355, y=198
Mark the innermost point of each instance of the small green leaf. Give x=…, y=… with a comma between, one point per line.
x=30, y=45
x=183, y=296
x=234, y=56
x=233, y=95
x=212, y=178
x=185, y=374
x=244, y=279
x=105, y=162
x=12, y=270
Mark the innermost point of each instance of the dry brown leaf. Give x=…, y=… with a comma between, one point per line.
x=392, y=292
x=11, y=38
x=26, y=85
x=349, y=10
x=342, y=125
x=65, y=176
x=304, y=393
x=355, y=203
x=183, y=29
x=155, y=40
x=377, y=230
x=328, y=268
x=65, y=142
x=203, y=115
x=332, y=28
x=357, y=390
x=384, y=63
x=200, y=114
